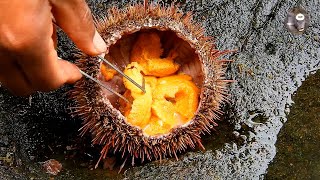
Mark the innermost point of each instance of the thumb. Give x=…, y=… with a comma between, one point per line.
x=69, y=71
x=75, y=19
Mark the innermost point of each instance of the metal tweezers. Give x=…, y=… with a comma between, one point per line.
x=141, y=87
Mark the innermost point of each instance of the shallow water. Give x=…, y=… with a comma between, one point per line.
x=298, y=144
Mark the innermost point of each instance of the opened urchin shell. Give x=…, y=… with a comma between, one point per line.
x=98, y=109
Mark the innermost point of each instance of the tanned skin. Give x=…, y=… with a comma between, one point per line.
x=28, y=59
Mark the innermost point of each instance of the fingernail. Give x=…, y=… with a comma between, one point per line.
x=102, y=55
x=99, y=43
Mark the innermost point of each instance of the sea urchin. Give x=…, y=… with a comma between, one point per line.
x=178, y=47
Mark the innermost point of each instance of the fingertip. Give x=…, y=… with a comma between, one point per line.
x=93, y=47
x=75, y=19
x=70, y=71
x=99, y=43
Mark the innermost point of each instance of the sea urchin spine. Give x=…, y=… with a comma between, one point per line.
x=197, y=57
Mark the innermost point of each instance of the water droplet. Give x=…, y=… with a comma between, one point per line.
x=297, y=20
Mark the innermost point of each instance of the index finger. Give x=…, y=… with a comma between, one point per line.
x=75, y=19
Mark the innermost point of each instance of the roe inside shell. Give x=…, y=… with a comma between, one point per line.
x=174, y=99
x=197, y=57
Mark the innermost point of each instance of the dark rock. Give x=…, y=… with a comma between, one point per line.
x=270, y=65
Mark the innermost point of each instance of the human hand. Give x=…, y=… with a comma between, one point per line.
x=28, y=59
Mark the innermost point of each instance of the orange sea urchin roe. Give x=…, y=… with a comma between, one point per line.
x=147, y=52
x=179, y=91
x=107, y=72
x=156, y=127
x=175, y=100
x=140, y=111
x=126, y=108
x=169, y=101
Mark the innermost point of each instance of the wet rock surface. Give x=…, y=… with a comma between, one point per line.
x=298, y=141
x=269, y=67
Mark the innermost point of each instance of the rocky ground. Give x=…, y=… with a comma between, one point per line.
x=270, y=66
